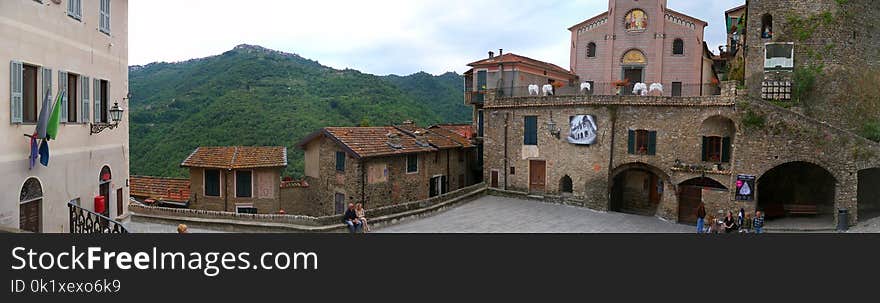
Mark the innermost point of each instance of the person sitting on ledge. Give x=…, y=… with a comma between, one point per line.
x=351, y=220
x=362, y=216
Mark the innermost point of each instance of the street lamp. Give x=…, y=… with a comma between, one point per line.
x=115, y=116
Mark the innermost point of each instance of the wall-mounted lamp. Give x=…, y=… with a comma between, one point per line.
x=115, y=116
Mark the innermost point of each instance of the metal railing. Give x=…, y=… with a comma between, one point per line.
x=612, y=89
x=84, y=221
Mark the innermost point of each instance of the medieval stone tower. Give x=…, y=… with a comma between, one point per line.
x=818, y=57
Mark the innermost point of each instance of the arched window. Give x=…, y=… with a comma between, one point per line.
x=591, y=50
x=104, y=188
x=767, y=26
x=565, y=185
x=31, y=206
x=678, y=47
x=634, y=56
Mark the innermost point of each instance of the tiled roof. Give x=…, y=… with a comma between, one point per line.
x=162, y=189
x=363, y=142
x=437, y=140
x=233, y=157
x=460, y=133
x=514, y=58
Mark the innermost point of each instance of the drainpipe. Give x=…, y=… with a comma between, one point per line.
x=363, y=184
x=506, y=161
x=613, y=112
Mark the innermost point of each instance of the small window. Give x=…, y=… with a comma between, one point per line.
x=513, y=170
x=73, y=98
x=412, y=163
x=243, y=184
x=74, y=9
x=340, y=161
x=676, y=89
x=767, y=26
x=591, y=50
x=716, y=149
x=29, y=94
x=642, y=142
x=212, y=182
x=530, y=131
x=678, y=47
x=339, y=203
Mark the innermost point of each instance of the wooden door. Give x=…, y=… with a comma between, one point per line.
x=653, y=190
x=494, y=179
x=120, y=209
x=537, y=176
x=29, y=216
x=104, y=190
x=688, y=201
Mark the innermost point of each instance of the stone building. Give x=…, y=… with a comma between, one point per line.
x=236, y=178
x=817, y=56
x=642, y=41
x=78, y=49
x=382, y=166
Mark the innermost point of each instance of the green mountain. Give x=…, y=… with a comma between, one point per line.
x=256, y=96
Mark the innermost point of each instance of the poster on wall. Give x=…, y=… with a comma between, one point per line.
x=583, y=130
x=745, y=188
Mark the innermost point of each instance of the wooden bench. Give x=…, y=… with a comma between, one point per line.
x=801, y=209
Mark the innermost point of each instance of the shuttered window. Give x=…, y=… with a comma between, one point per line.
x=243, y=183
x=86, y=82
x=212, y=182
x=104, y=22
x=676, y=89
x=716, y=149
x=642, y=142
x=73, y=98
x=97, y=100
x=62, y=86
x=340, y=161
x=16, y=89
x=412, y=163
x=47, y=80
x=74, y=9
x=530, y=130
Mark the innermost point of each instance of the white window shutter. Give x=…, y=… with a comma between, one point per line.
x=47, y=81
x=15, y=101
x=86, y=82
x=62, y=85
x=97, y=100
x=79, y=9
x=105, y=16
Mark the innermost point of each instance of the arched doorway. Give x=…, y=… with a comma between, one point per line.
x=633, y=65
x=797, y=190
x=565, y=185
x=869, y=194
x=31, y=206
x=104, y=188
x=690, y=194
x=637, y=189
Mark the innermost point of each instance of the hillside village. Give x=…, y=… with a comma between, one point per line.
x=646, y=120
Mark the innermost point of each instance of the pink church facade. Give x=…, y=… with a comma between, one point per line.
x=643, y=41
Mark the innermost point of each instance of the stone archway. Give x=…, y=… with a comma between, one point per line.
x=565, y=185
x=637, y=188
x=797, y=190
x=869, y=194
x=695, y=191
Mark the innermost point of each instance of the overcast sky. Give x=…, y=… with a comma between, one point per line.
x=377, y=36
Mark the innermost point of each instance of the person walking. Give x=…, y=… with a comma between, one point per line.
x=701, y=217
x=758, y=222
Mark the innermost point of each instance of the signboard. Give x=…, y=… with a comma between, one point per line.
x=583, y=130
x=745, y=188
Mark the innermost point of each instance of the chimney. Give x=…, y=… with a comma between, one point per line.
x=500, y=52
x=491, y=54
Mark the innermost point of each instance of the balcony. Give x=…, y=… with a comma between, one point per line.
x=614, y=89
x=474, y=97
x=84, y=221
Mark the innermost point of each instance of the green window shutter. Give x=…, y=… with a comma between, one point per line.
x=631, y=143
x=62, y=85
x=725, y=150
x=652, y=143
x=705, y=149
x=97, y=100
x=530, y=134
x=16, y=101
x=340, y=161
x=85, y=99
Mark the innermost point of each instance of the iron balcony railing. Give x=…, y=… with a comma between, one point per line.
x=612, y=89
x=84, y=221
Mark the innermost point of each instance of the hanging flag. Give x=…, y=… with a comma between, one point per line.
x=55, y=118
x=45, y=111
x=33, y=156
x=44, y=153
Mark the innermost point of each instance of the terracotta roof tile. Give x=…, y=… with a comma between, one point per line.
x=460, y=133
x=162, y=189
x=374, y=141
x=435, y=139
x=514, y=58
x=233, y=157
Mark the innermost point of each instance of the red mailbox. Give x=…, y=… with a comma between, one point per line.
x=100, y=204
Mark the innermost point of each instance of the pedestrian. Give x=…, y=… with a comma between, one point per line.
x=362, y=216
x=748, y=223
x=182, y=229
x=350, y=219
x=758, y=222
x=701, y=217
x=741, y=217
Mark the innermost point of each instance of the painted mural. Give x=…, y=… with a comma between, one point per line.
x=636, y=21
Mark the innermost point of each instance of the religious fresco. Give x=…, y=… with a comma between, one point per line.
x=634, y=57
x=636, y=21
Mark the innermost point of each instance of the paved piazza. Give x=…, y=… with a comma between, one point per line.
x=492, y=214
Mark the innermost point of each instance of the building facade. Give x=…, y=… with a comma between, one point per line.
x=642, y=41
x=242, y=179
x=79, y=47
x=383, y=166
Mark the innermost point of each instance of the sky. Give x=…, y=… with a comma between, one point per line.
x=378, y=36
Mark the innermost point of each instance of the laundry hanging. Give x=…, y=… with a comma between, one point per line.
x=34, y=151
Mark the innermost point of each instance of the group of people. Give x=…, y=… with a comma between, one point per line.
x=355, y=218
x=742, y=222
